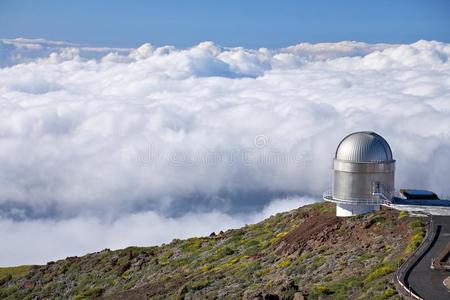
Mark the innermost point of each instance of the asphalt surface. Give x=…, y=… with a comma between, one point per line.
x=424, y=281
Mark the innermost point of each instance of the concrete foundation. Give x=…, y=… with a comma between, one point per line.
x=348, y=210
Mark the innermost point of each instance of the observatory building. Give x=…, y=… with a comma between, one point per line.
x=363, y=174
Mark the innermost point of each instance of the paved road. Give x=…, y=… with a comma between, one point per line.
x=425, y=282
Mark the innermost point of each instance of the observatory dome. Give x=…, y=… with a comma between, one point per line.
x=363, y=147
x=363, y=174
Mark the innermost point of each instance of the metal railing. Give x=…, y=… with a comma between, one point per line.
x=382, y=191
x=328, y=196
x=408, y=292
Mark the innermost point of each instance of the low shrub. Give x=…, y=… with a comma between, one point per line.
x=199, y=284
x=320, y=289
x=285, y=263
x=403, y=214
x=378, y=272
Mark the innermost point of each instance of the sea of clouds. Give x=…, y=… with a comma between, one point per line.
x=111, y=147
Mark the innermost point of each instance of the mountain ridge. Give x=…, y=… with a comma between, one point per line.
x=304, y=253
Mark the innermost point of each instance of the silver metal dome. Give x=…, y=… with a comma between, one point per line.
x=364, y=146
x=363, y=174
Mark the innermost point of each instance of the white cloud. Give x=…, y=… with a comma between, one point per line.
x=42, y=240
x=110, y=133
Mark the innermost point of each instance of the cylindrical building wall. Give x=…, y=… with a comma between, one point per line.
x=356, y=181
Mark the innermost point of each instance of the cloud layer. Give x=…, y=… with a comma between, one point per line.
x=43, y=240
x=111, y=136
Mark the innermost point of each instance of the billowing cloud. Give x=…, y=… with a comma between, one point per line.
x=43, y=240
x=107, y=134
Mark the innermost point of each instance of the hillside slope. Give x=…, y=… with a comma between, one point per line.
x=305, y=252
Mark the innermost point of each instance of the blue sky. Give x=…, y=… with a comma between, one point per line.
x=228, y=23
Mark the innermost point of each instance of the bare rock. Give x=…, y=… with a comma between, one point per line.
x=271, y=297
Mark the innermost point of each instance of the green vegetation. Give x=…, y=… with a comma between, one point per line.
x=342, y=288
x=364, y=257
x=285, y=263
x=324, y=207
x=372, y=284
x=320, y=289
x=200, y=284
x=14, y=272
x=317, y=261
x=403, y=214
x=90, y=293
x=382, y=270
x=418, y=230
x=389, y=292
x=334, y=258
